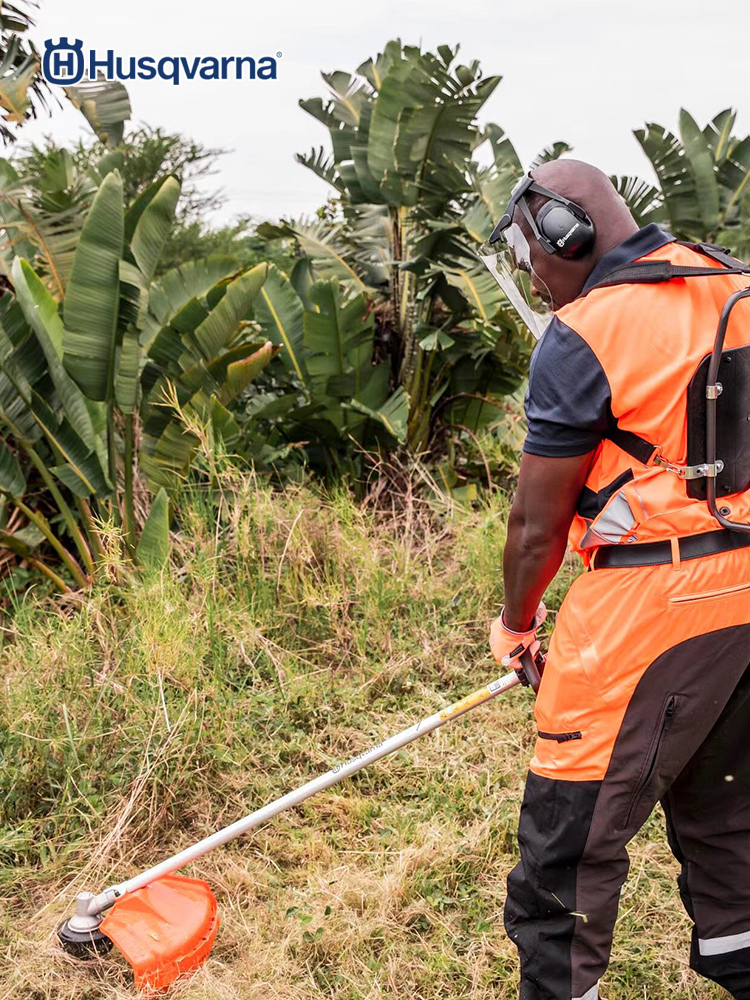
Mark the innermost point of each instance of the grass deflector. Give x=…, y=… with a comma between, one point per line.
x=165, y=924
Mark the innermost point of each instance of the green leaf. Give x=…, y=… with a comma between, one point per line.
x=153, y=547
x=104, y=104
x=338, y=338
x=279, y=312
x=83, y=461
x=153, y=227
x=393, y=414
x=41, y=313
x=241, y=373
x=12, y=479
x=223, y=321
x=91, y=304
x=699, y=153
x=128, y=372
x=166, y=457
x=181, y=286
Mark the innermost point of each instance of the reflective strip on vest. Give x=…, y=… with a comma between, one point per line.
x=724, y=945
x=592, y=994
x=614, y=525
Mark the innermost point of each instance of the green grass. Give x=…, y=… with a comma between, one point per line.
x=293, y=631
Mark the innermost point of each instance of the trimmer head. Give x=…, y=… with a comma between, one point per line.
x=80, y=935
x=82, y=944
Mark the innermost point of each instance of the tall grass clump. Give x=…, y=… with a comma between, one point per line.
x=294, y=629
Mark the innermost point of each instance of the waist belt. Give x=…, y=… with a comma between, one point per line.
x=708, y=543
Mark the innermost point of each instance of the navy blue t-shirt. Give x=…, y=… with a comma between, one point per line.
x=568, y=399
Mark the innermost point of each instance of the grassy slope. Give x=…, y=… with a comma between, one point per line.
x=293, y=633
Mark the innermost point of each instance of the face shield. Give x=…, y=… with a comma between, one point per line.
x=509, y=252
x=504, y=259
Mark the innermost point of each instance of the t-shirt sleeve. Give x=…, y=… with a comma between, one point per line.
x=568, y=399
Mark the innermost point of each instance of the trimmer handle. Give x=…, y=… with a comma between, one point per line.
x=530, y=671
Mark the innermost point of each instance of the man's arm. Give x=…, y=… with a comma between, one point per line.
x=542, y=512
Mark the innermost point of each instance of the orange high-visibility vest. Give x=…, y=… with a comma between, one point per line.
x=645, y=342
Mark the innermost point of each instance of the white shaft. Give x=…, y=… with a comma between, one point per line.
x=319, y=784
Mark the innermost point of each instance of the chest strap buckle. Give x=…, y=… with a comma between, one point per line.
x=704, y=471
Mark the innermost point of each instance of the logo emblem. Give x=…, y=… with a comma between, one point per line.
x=63, y=62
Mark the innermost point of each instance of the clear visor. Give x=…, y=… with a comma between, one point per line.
x=502, y=260
x=518, y=248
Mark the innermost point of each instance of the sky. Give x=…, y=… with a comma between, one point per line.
x=586, y=71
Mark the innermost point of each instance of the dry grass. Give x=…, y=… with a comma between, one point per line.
x=293, y=632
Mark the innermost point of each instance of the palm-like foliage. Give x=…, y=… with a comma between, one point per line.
x=413, y=201
x=703, y=177
x=44, y=199
x=75, y=375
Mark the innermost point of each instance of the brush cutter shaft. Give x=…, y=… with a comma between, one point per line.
x=338, y=773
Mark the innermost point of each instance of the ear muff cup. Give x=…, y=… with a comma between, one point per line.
x=571, y=236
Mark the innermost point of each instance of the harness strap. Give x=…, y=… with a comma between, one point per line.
x=635, y=446
x=653, y=272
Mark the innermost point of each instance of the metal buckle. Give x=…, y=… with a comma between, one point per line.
x=704, y=471
x=714, y=391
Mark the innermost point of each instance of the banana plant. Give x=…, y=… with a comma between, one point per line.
x=414, y=201
x=337, y=397
x=77, y=375
x=702, y=175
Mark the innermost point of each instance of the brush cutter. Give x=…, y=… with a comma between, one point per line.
x=166, y=924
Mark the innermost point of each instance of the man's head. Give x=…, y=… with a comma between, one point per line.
x=552, y=275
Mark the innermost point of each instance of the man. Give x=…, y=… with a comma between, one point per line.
x=646, y=691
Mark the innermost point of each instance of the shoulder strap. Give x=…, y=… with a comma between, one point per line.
x=656, y=271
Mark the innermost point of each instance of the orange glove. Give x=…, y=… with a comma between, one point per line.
x=507, y=645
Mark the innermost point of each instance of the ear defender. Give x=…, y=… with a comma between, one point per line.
x=567, y=228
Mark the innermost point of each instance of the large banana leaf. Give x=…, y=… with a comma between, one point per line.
x=12, y=240
x=479, y=288
x=338, y=339
x=240, y=373
x=40, y=311
x=700, y=155
x=153, y=546
x=182, y=285
x=331, y=255
x=223, y=321
x=676, y=179
x=279, y=312
x=644, y=200
x=393, y=414
x=128, y=371
x=42, y=214
x=22, y=368
x=81, y=469
x=153, y=227
x=91, y=304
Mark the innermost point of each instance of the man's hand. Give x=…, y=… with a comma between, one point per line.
x=507, y=646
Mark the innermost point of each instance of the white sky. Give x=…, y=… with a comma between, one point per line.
x=588, y=71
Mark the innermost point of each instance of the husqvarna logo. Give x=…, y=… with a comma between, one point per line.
x=564, y=239
x=64, y=63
